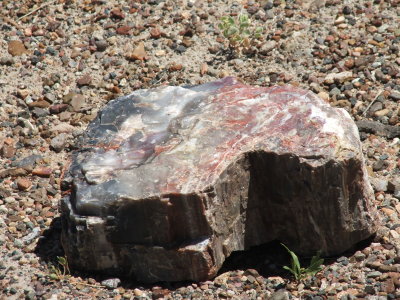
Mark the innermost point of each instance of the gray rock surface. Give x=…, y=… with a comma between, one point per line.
x=380, y=129
x=168, y=182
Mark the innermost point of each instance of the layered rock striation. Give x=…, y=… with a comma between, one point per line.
x=168, y=182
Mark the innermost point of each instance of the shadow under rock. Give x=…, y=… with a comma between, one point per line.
x=49, y=247
x=267, y=259
x=49, y=244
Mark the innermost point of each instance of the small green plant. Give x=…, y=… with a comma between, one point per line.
x=61, y=270
x=300, y=273
x=239, y=32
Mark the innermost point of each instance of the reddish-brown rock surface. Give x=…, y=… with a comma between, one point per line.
x=168, y=182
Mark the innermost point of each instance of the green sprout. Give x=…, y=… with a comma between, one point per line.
x=239, y=32
x=300, y=273
x=61, y=271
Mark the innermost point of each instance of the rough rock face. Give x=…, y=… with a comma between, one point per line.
x=168, y=182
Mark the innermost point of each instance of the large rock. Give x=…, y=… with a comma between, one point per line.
x=168, y=182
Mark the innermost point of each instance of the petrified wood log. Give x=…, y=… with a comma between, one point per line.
x=169, y=181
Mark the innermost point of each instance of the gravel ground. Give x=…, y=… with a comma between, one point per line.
x=61, y=61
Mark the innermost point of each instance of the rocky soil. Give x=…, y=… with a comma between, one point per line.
x=61, y=61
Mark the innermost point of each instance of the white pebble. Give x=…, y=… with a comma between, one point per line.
x=3, y=209
x=9, y=200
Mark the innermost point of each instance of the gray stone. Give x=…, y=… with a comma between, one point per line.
x=58, y=142
x=395, y=95
x=111, y=283
x=77, y=102
x=374, y=274
x=359, y=256
x=101, y=45
x=29, y=238
x=27, y=162
x=343, y=260
x=334, y=92
x=18, y=243
x=396, y=192
x=30, y=294
x=380, y=185
x=378, y=128
x=394, y=187
x=378, y=165
x=267, y=47
x=280, y=295
x=7, y=61
x=49, y=97
x=39, y=112
x=168, y=182
x=369, y=289
x=376, y=106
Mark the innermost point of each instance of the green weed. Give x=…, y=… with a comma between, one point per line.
x=239, y=32
x=300, y=273
x=61, y=270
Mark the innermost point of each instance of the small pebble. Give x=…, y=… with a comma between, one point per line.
x=24, y=184
x=111, y=283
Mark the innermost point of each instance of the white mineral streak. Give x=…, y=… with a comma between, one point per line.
x=331, y=125
x=184, y=149
x=130, y=126
x=99, y=167
x=334, y=125
x=199, y=246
